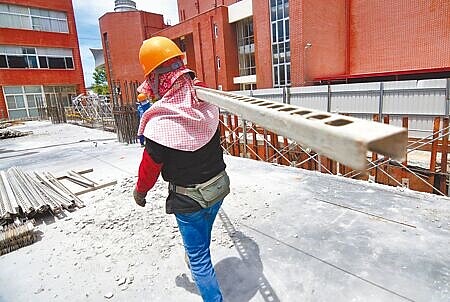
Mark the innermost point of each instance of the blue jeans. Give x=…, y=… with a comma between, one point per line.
x=195, y=229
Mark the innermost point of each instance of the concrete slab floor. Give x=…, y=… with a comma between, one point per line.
x=283, y=234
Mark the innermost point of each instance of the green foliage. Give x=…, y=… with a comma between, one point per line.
x=100, y=83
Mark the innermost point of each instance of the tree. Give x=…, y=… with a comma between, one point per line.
x=100, y=85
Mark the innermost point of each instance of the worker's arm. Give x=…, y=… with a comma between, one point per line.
x=199, y=83
x=148, y=174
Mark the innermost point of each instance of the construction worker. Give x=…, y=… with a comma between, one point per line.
x=183, y=143
x=142, y=105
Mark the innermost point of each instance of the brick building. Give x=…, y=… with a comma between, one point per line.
x=39, y=56
x=122, y=34
x=305, y=42
x=274, y=43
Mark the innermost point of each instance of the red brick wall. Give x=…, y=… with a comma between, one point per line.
x=61, y=5
x=73, y=37
x=263, y=44
x=126, y=31
x=323, y=24
x=227, y=48
x=190, y=52
x=20, y=37
x=191, y=9
x=207, y=48
x=399, y=35
x=178, y=30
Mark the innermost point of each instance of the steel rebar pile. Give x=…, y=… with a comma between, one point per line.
x=9, y=206
x=14, y=237
x=23, y=195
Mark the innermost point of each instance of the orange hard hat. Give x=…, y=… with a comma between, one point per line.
x=141, y=97
x=155, y=51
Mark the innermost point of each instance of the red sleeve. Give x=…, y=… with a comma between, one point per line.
x=148, y=173
x=199, y=83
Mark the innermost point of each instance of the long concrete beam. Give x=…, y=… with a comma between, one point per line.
x=342, y=138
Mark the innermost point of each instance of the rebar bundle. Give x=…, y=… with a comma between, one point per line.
x=22, y=195
x=10, y=133
x=14, y=237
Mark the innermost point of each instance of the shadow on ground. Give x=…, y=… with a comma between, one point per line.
x=239, y=278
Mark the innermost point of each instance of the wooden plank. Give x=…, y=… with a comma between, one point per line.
x=444, y=155
x=79, y=172
x=236, y=141
x=230, y=146
x=434, y=146
x=88, y=181
x=111, y=183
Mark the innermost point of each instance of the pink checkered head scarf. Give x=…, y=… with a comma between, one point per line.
x=178, y=120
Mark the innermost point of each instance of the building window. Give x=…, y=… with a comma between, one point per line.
x=281, y=49
x=246, y=47
x=22, y=17
x=30, y=57
x=63, y=94
x=23, y=101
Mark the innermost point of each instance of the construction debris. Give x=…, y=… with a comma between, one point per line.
x=79, y=179
x=15, y=236
x=22, y=196
x=4, y=125
x=25, y=194
x=9, y=123
x=10, y=133
x=93, y=111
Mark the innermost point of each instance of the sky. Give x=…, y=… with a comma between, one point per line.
x=87, y=13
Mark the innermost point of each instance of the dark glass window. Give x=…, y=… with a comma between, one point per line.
x=43, y=62
x=56, y=63
x=246, y=51
x=3, y=63
x=28, y=50
x=69, y=62
x=280, y=31
x=32, y=62
x=17, y=62
x=286, y=25
x=281, y=55
x=274, y=32
x=288, y=71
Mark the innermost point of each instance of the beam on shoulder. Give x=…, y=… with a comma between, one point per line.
x=341, y=138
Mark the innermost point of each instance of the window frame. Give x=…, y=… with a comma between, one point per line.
x=41, y=60
x=61, y=25
x=246, y=47
x=280, y=42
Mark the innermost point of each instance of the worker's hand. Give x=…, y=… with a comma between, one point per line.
x=139, y=198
